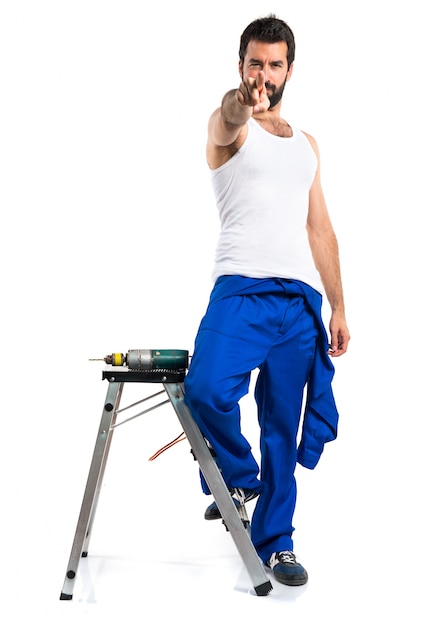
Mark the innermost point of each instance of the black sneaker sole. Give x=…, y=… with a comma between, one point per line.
x=291, y=581
x=285, y=580
x=213, y=513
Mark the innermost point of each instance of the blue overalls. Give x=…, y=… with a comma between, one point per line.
x=274, y=325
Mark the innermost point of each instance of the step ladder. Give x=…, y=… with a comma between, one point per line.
x=168, y=368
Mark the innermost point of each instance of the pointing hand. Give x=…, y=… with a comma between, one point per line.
x=252, y=92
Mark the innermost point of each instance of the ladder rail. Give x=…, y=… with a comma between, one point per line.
x=93, y=487
x=218, y=488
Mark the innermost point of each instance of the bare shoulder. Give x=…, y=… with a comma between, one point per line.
x=312, y=142
x=223, y=142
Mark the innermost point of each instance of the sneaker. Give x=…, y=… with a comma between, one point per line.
x=286, y=569
x=213, y=512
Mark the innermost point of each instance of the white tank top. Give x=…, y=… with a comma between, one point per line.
x=262, y=195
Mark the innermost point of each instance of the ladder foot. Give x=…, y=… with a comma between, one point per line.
x=66, y=596
x=264, y=589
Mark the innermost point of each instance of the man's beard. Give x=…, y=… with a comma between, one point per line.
x=276, y=93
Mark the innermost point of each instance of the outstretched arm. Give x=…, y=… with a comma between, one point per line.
x=325, y=252
x=227, y=125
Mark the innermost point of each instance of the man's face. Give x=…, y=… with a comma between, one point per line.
x=270, y=58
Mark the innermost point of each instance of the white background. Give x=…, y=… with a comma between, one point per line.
x=107, y=241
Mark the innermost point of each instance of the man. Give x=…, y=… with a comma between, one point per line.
x=277, y=254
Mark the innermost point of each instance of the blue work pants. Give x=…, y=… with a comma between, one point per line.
x=277, y=334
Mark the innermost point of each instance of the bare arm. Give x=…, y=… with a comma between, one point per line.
x=227, y=125
x=325, y=251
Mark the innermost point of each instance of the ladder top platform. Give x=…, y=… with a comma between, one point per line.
x=122, y=374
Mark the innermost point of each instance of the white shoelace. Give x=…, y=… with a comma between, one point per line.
x=286, y=557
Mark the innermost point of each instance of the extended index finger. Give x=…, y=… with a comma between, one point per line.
x=260, y=81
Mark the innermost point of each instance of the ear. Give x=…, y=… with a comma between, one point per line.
x=240, y=69
x=289, y=73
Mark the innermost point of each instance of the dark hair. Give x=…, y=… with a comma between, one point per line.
x=270, y=30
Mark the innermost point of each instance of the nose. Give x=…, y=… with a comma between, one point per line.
x=266, y=71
